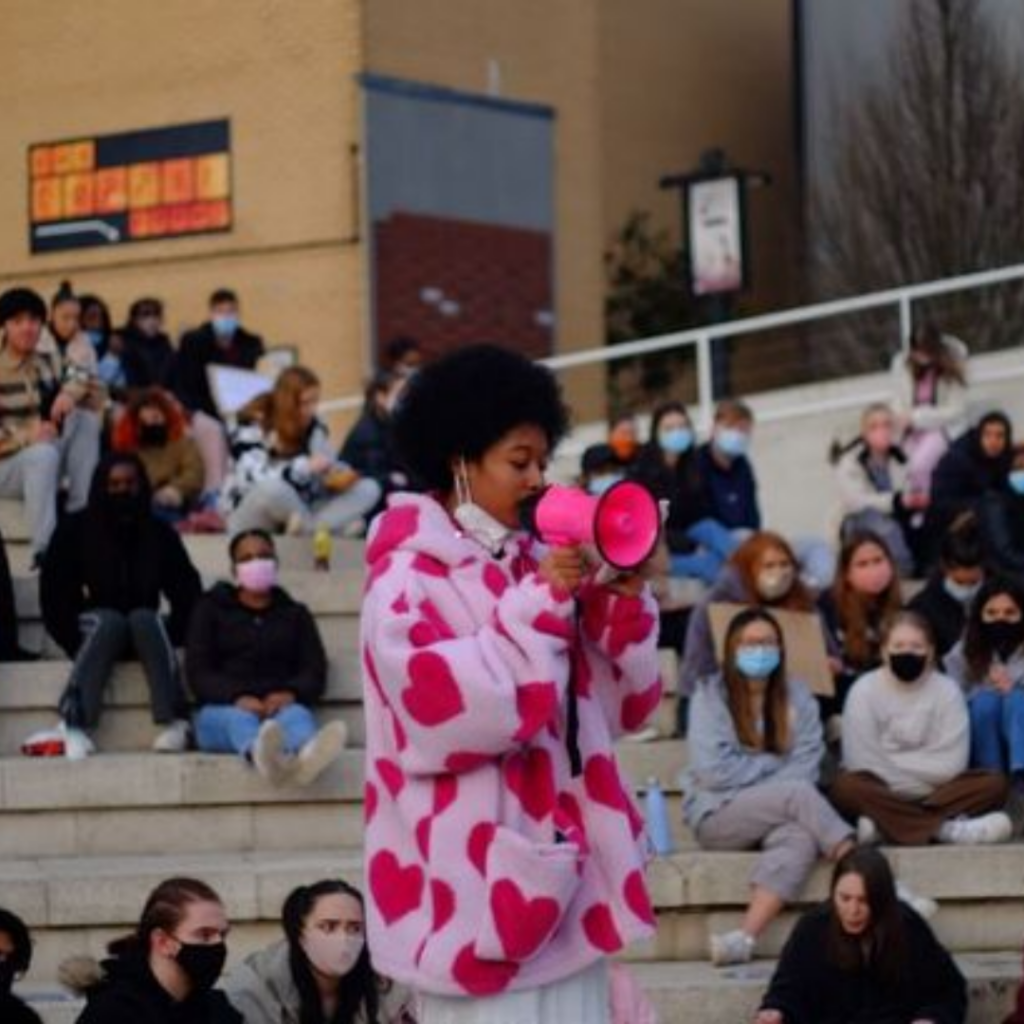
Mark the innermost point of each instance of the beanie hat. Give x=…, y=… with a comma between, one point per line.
x=21, y=300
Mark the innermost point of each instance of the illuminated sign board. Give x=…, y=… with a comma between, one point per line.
x=131, y=187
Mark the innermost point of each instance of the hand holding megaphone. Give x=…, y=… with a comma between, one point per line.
x=623, y=524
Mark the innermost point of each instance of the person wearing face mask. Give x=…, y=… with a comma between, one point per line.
x=1001, y=517
x=698, y=544
x=906, y=742
x=929, y=394
x=148, y=356
x=496, y=675
x=221, y=341
x=946, y=597
x=724, y=470
x=165, y=971
x=15, y=960
x=764, y=571
x=976, y=464
x=320, y=973
x=624, y=439
x=865, y=595
x=256, y=665
x=105, y=574
x=153, y=427
x=989, y=664
x=864, y=957
x=873, y=490
x=107, y=344
x=755, y=751
x=369, y=447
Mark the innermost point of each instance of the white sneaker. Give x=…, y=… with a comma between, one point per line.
x=319, y=753
x=735, y=947
x=173, y=739
x=867, y=832
x=924, y=905
x=268, y=755
x=984, y=830
x=77, y=745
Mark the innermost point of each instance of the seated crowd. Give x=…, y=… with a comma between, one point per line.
x=916, y=603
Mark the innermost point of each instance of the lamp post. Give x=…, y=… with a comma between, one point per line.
x=713, y=198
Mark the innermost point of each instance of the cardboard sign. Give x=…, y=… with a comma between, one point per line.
x=233, y=388
x=806, y=655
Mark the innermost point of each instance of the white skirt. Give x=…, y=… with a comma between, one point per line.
x=581, y=997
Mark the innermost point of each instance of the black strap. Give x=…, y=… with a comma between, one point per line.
x=572, y=722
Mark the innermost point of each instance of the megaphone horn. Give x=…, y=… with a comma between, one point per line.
x=623, y=524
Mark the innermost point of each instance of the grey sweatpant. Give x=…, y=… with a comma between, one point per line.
x=791, y=822
x=270, y=504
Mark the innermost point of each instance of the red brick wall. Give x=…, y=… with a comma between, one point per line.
x=483, y=283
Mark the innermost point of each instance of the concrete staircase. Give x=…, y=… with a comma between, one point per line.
x=82, y=843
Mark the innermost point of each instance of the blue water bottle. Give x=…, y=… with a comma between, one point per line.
x=656, y=813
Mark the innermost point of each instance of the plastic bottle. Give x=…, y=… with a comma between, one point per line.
x=656, y=812
x=322, y=549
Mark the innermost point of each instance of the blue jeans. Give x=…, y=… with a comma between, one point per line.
x=225, y=729
x=997, y=730
x=717, y=543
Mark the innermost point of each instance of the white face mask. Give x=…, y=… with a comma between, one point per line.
x=333, y=955
x=475, y=521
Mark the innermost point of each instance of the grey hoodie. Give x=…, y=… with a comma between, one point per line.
x=263, y=991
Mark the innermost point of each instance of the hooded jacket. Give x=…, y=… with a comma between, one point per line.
x=234, y=651
x=93, y=561
x=200, y=349
x=490, y=864
x=127, y=993
x=263, y=990
x=962, y=477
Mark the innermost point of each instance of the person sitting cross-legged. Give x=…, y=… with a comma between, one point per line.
x=256, y=665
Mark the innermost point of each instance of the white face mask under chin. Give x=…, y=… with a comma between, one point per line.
x=475, y=521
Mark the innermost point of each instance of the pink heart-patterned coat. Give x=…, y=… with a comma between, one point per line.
x=489, y=866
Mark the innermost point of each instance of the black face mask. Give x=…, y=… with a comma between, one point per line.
x=907, y=668
x=153, y=434
x=7, y=973
x=202, y=963
x=1003, y=637
x=123, y=507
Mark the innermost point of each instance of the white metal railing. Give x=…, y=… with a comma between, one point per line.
x=703, y=338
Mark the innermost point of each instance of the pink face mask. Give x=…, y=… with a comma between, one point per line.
x=871, y=579
x=332, y=955
x=258, y=575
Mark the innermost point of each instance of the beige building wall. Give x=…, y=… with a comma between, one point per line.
x=284, y=73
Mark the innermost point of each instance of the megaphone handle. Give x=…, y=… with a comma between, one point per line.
x=572, y=717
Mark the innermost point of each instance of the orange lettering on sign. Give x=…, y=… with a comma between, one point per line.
x=218, y=214
x=41, y=161
x=81, y=156
x=111, y=189
x=178, y=184
x=213, y=179
x=47, y=199
x=143, y=185
x=78, y=195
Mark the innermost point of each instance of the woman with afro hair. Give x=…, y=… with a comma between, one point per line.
x=504, y=855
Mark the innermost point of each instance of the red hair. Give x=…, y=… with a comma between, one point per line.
x=125, y=435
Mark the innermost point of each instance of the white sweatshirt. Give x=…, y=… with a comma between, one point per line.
x=913, y=736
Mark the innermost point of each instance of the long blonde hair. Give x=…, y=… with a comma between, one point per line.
x=278, y=410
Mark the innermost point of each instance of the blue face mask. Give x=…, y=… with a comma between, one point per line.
x=1016, y=479
x=96, y=337
x=675, y=440
x=225, y=324
x=599, y=484
x=732, y=442
x=960, y=592
x=757, y=661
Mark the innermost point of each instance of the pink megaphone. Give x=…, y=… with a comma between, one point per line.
x=623, y=524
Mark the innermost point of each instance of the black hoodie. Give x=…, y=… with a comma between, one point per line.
x=130, y=994
x=98, y=560
x=235, y=651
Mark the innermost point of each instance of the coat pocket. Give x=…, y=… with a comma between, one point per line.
x=529, y=887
